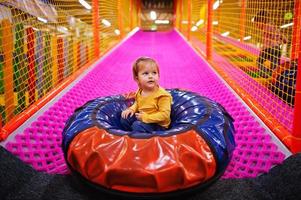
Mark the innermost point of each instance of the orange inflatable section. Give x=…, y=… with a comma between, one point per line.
x=158, y=164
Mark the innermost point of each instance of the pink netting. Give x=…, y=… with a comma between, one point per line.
x=180, y=67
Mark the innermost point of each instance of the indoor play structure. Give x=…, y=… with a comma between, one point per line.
x=58, y=57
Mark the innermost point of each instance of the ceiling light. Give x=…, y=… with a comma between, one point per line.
x=117, y=32
x=62, y=29
x=194, y=28
x=286, y=25
x=215, y=5
x=201, y=21
x=153, y=15
x=85, y=4
x=225, y=34
x=42, y=19
x=106, y=22
x=160, y=21
x=247, y=37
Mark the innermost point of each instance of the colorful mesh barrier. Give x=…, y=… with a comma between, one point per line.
x=40, y=144
x=254, y=45
x=43, y=51
x=45, y=43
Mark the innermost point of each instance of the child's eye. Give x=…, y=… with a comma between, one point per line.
x=144, y=73
x=154, y=72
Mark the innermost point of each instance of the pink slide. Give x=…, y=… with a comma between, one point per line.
x=180, y=67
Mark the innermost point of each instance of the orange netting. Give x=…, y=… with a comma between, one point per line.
x=45, y=42
x=255, y=47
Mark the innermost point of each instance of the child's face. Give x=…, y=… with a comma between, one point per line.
x=148, y=76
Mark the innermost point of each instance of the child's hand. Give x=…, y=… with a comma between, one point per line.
x=139, y=116
x=126, y=113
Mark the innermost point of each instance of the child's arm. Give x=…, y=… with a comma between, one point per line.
x=130, y=111
x=134, y=107
x=164, y=104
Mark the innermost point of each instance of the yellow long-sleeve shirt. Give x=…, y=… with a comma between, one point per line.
x=155, y=107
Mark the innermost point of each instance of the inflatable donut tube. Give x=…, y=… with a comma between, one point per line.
x=192, y=153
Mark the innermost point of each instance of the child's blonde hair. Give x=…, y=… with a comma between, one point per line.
x=142, y=61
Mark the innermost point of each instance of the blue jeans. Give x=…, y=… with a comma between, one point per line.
x=273, y=54
x=135, y=125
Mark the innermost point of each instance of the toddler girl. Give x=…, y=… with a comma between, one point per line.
x=152, y=106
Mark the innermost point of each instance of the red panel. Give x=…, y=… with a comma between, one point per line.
x=158, y=164
x=31, y=65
